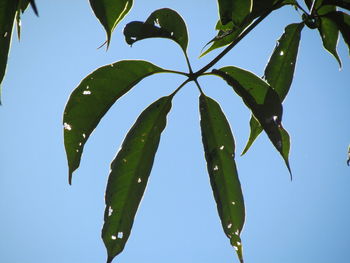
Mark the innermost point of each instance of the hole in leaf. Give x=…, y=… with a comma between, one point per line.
x=86, y=92
x=110, y=211
x=113, y=237
x=216, y=168
x=67, y=126
x=120, y=235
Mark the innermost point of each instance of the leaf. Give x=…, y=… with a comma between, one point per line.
x=341, y=3
x=329, y=32
x=89, y=102
x=129, y=174
x=264, y=103
x=235, y=11
x=342, y=21
x=7, y=16
x=230, y=31
x=348, y=161
x=219, y=148
x=164, y=23
x=279, y=71
x=110, y=13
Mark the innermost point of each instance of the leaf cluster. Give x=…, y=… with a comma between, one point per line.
x=263, y=96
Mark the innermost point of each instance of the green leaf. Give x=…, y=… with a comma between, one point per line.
x=230, y=32
x=264, y=103
x=164, y=23
x=279, y=71
x=341, y=3
x=342, y=21
x=110, y=13
x=219, y=148
x=89, y=102
x=329, y=32
x=235, y=11
x=8, y=11
x=129, y=174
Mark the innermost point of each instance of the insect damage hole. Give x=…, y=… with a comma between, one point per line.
x=120, y=235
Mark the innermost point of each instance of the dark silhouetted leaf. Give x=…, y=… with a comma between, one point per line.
x=279, y=71
x=219, y=148
x=342, y=21
x=341, y=3
x=264, y=103
x=329, y=31
x=165, y=23
x=89, y=102
x=7, y=16
x=235, y=11
x=348, y=161
x=110, y=13
x=129, y=174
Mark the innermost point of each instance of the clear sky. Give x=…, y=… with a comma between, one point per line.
x=43, y=219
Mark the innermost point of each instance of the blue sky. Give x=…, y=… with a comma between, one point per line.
x=43, y=219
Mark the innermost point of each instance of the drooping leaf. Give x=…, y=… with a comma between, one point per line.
x=342, y=21
x=110, y=13
x=89, y=102
x=329, y=31
x=8, y=11
x=235, y=11
x=219, y=148
x=129, y=174
x=264, y=103
x=165, y=23
x=279, y=71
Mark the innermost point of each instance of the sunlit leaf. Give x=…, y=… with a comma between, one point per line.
x=230, y=31
x=7, y=16
x=264, y=103
x=329, y=31
x=89, y=102
x=279, y=71
x=219, y=148
x=129, y=174
x=235, y=11
x=165, y=23
x=342, y=21
x=110, y=13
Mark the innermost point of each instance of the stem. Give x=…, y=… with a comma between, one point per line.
x=188, y=63
x=301, y=8
x=199, y=86
x=183, y=84
x=177, y=72
x=235, y=42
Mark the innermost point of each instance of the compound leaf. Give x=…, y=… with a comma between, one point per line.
x=129, y=174
x=264, y=103
x=279, y=71
x=89, y=102
x=164, y=23
x=110, y=13
x=219, y=148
